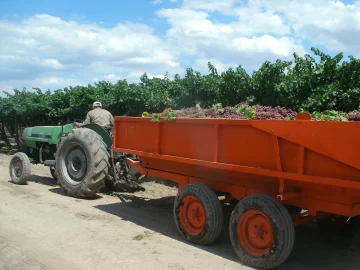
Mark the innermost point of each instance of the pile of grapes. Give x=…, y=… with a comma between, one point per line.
x=246, y=111
x=353, y=116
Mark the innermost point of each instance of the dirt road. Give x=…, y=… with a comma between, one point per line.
x=42, y=229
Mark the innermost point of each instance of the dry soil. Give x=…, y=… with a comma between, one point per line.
x=40, y=228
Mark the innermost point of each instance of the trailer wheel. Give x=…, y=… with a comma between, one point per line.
x=82, y=163
x=261, y=231
x=20, y=168
x=198, y=214
x=355, y=226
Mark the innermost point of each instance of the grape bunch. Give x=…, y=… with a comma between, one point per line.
x=253, y=112
x=353, y=116
x=259, y=112
x=240, y=111
x=227, y=113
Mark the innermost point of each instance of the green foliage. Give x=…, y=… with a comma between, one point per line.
x=250, y=112
x=155, y=117
x=317, y=83
x=241, y=109
x=217, y=106
x=329, y=115
x=170, y=116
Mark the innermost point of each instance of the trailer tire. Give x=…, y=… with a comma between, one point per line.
x=82, y=163
x=198, y=214
x=20, y=168
x=355, y=226
x=271, y=227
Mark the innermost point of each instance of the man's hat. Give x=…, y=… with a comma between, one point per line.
x=97, y=104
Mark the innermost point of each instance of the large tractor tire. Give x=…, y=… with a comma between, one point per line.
x=82, y=163
x=198, y=214
x=261, y=231
x=20, y=168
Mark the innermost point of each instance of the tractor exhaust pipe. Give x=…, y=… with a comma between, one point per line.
x=50, y=163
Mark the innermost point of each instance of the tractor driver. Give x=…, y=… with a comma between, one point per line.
x=98, y=116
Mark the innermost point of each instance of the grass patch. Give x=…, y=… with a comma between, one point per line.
x=142, y=236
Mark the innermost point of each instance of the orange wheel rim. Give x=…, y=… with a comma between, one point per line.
x=192, y=215
x=255, y=233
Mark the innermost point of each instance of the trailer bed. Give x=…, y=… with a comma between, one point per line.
x=310, y=167
x=315, y=159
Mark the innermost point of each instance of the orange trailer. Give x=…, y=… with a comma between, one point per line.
x=275, y=173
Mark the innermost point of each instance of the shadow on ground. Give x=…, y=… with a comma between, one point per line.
x=43, y=180
x=48, y=181
x=59, y=191
x=312, y=250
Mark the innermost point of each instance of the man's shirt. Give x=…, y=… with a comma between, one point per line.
x=101, y=117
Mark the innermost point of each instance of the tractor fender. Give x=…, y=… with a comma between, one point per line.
x=102, y=132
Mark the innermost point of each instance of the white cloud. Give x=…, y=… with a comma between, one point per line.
x=44, y=83
x=240, y=41
x=52, y=63
x=253, y=21
x=282, y=47
x=156, y=2
x=56, y=81
x=41, y=45
x=256, y=30
x=333, y=24
x=210, y=5
x=328, y=23
x=49, y=51
x=112, y=78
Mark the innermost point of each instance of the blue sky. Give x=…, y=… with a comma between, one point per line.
x=108, y=12
x=54, y=44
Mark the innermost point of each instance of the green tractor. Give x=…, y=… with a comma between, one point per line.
x=80, y=159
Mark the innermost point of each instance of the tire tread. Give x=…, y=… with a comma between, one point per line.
x=284, y=237
x=97, y=174
x=213, y=210
x=26, y=166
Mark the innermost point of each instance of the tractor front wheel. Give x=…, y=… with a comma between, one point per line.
x=20, y=168
x=82, y=163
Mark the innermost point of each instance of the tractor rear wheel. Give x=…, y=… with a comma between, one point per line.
x=82, y=163
x=20, y=168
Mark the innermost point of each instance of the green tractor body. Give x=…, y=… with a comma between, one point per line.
x=81, y=159
x=40, y=142
x=33, y=136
